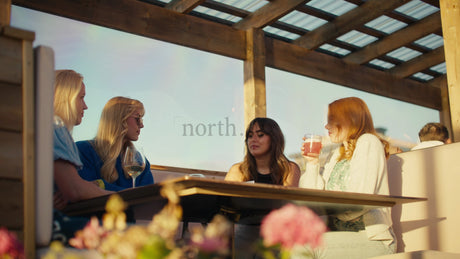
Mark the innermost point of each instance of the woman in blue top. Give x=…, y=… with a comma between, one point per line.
x=120, y=124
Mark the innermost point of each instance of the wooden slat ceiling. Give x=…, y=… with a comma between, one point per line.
x=392, y=48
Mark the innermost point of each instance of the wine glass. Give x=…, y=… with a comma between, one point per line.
x=133, y=162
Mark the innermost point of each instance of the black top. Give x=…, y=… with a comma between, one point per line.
x=264, y=178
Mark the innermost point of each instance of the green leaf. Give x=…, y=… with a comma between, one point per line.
x=155, y=248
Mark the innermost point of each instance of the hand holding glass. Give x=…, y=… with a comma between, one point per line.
x=312, y=145
x=133, y=162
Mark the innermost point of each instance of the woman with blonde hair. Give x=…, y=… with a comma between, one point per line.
x=357, y=165
x=69, y=107
x=69, y=94
x=120, y=125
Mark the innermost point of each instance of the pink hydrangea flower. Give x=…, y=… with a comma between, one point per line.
x=210, y=245
x=90, y=236
x=10, y=245
x=292, y=225
x=213, y=239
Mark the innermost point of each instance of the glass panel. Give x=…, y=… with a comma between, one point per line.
x=417, y=9
x=248, y=5
x=218, y=14
x=336, y=7
x=422, y=76
x=440, y=68
x=281, y=33
x=334, y=49
x=404, y=54
x=386, y=24
x=381, y=63
x=357, y=38
x=431, y=41
x=302, y=20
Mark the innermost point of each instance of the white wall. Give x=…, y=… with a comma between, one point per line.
x=433, y=173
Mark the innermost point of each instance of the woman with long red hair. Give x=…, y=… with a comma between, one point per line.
x=357, y=165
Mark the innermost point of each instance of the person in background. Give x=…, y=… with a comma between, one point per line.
x=357, y=165
x=120, y=125
x=431, y=135
x=264, y=162
x=69, y=107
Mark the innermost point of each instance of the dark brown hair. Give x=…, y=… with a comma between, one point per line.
x=279, y=164
x=434, y=131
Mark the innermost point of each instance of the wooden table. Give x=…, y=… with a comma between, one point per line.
x=202, y=198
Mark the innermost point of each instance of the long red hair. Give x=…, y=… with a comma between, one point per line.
x=353, y=114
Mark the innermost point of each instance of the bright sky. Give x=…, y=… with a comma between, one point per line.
x=186, y=91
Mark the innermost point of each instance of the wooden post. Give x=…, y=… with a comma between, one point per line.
x=17, y=135
x=450, y=17
x=28, y=145
x=5, y=12
x=444, y=114
x=254, y=76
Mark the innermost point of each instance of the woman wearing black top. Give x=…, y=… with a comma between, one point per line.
x=265, y=161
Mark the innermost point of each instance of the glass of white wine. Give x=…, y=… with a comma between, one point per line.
x=133, y=162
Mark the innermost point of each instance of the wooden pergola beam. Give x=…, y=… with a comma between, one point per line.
x=284, y=56
x=254, y=76
x=183, y=6
x=395, y=40
x=419, y=63
x=151, y=21
x=267, y=14
x=354, y=18
x=148, y=20
x=450, y=16
x=5, y=12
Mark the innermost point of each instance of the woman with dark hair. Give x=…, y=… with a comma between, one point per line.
x=265, y=161
x=358, y=165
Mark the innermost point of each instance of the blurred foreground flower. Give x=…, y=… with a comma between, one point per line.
x=10, y=246
x=291, y=228
x=214, y=241
x=156, y=240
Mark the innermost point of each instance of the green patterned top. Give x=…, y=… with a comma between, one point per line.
x=340, y=175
